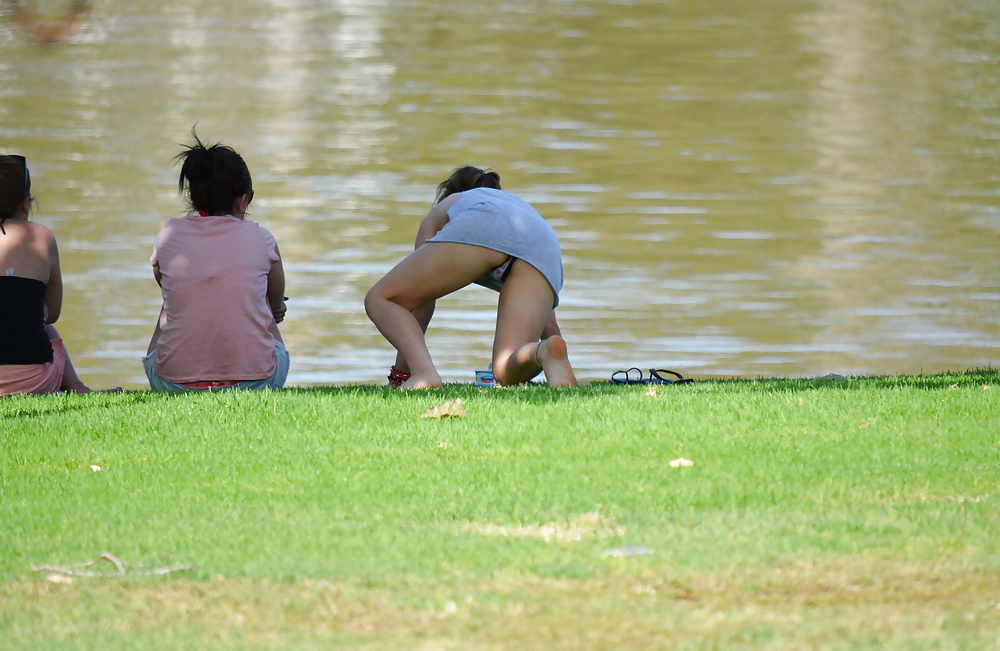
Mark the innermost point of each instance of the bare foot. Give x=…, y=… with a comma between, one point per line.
x=82, y=389
x=79, y=388
x=423, y=382
x=554, y=358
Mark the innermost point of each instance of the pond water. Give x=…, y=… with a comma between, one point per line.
x=756, y=189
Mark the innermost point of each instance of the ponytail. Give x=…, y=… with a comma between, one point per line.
x=467, y=178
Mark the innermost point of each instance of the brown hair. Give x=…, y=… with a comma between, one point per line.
x=467, y=178
x=15, y=186
x=215, y=176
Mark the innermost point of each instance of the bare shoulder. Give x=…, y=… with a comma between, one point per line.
x=45, y=235
x=39, y=230
x=439, y=213
x=31, y=234
x=447, y=201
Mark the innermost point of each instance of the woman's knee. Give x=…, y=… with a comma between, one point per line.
x=503, y=360
x=373, y=298
x=383, y=293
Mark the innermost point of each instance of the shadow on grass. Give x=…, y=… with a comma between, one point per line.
x=975, y=378
x=531, y=394
x=16, y=407
x=22, y=406
x=544, y=394
x=540, y=393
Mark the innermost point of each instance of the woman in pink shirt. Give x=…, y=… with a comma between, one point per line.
x=222, y=284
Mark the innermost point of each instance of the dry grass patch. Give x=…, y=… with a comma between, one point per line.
x=825, y=604
x=582, y=527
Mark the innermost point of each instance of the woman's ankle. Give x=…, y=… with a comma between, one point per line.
x=77, y=387
x=429, y=381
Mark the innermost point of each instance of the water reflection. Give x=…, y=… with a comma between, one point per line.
x=739, y=189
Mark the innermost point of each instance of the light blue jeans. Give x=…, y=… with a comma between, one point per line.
x=276, y=381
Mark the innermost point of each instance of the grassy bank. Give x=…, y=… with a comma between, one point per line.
x=844, y=514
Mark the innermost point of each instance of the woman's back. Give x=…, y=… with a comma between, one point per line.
x=23, y=339
x=501, y=221
x=27, y=250
x=215, y=312
x=27, y=258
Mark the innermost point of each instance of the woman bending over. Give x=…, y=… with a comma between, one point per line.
x=222, y=283
x=477, y=233
x=33, y=358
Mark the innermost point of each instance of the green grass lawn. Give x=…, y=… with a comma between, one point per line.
x=854, y=514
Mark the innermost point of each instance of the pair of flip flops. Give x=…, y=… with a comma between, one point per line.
x=656, y=376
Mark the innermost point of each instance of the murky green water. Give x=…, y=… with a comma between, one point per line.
x=779, y=188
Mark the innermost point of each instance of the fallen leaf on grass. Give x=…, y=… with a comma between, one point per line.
x=986, y=387
x=651, y=392
x=455, y=409
x=443, y=445
x=96, y=468
x=864, y=424
x=954, y=386
x=59, y=578
x=681, y=462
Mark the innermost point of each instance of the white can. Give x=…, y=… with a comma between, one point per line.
x=485, y=378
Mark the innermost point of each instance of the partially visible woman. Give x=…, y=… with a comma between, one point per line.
x=33, y=358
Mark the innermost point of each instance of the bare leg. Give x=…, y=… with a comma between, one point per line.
x=71, y=381
x=434, y=270
x=525, y=310
x=423, y=315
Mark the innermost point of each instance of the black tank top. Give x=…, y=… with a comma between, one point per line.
x=23, y=339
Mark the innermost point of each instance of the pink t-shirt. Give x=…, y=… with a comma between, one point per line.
x=215, y=310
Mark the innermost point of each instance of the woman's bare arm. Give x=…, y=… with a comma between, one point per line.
x=276, y=288
x=54, y=288
x=434, y=221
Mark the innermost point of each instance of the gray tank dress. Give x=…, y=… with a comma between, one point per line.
x=498, y=220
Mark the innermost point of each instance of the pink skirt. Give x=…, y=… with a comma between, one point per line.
x=36, y=379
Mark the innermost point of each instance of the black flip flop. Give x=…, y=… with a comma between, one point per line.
x=655, y=377
x=627, y=377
